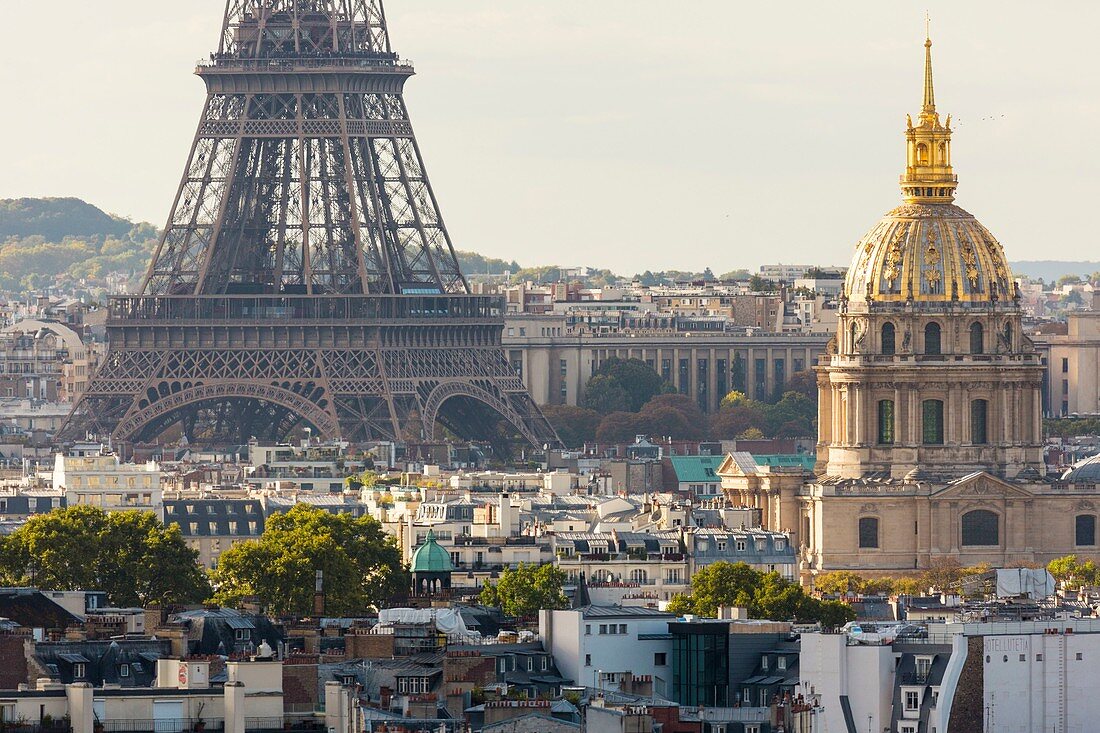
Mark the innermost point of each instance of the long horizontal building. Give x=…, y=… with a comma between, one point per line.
x=556, y=362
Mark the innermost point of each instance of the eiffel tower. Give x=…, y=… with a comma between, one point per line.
x=305, y=277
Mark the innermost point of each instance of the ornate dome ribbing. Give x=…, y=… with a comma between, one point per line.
x=929, y=250
x=929, y=253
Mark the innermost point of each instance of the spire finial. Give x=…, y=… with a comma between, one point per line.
x=929, y=107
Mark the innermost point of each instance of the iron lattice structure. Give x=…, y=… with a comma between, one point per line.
x=305, y=276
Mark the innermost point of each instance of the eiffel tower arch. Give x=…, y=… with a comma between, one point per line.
x=306, y=277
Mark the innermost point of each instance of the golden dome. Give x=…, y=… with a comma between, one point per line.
x=929, y=250
x=929, y=253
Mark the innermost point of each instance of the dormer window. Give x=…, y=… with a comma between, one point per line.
x=924, y=666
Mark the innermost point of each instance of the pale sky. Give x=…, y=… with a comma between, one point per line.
x=630, y=134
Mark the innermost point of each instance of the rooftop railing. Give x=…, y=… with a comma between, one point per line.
x=282, y=308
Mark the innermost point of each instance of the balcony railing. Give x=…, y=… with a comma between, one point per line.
x=159, y=725
x=57, y=726
x=294, y=724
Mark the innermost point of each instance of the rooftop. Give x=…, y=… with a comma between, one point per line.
x=623, y=612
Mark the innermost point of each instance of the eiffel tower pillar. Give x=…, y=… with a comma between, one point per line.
x=306, y=276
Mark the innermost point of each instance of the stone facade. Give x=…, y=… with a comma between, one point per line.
x=930, y=402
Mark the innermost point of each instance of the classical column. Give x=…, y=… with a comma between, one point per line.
x=859, y=410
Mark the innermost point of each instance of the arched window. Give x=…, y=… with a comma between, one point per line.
x=981, y=528
x=977, y=338
x=932, y=339
x=639, y=576
x=932, y=422
x=888, y=337
x=922, y=154
x=886, y=422
x=1008, y=336
x=1085, y=530
x=853, y=333
x=868, y=533
x=979, y=422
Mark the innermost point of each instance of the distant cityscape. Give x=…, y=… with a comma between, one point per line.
x=296, y=463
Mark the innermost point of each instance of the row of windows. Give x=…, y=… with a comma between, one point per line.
x=932, y=422
x=606, y=629
x=933, y=338
x=980, y=528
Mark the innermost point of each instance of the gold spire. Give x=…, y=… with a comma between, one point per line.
x=929, y=178
x=929, y=107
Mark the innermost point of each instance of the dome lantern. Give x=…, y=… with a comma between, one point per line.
x=928, y=250
x=928, y=177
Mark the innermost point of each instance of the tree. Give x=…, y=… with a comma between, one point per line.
x=804, y=383
x=906, y=586
x=943, y=574
x=739, y=374
x=575, y=425
x=636, y=377
x=734, y=275
x=129, y=555
x=525, y=591
x=1073, y=298
x=765, y=595
x=361, y=564
x=620, y=427
x=665, y=421
x=842, y=582
x=604, y=395
x=1069, y=572
x=737, y=415
x=758, y=284
x=676, y=415
x=792, y=416
x=839, y=582
x=833, y=614
x=717, y=585
x=363, y=480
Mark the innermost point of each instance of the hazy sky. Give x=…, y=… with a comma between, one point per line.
x=631, y=134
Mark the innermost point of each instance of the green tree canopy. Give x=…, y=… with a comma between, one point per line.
x=129, y=555
x=635, y=377
x=361, y=564
x=759, y=284
x=526, y=590
x=604, y=395
x=1071, y=572
x=765, y=595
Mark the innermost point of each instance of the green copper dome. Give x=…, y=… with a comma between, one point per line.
x=431, y=558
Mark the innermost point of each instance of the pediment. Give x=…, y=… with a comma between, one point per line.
x=737, y=466
x=982, y=484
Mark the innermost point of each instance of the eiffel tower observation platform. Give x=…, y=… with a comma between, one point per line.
x=305, y=277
